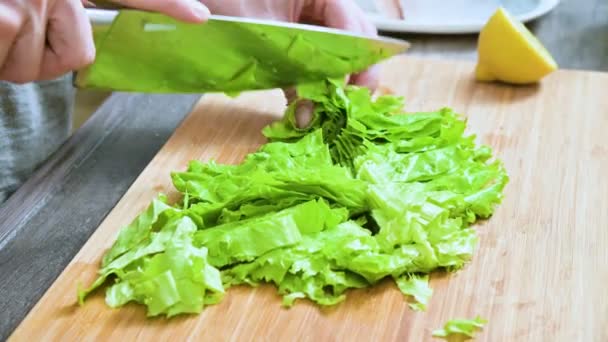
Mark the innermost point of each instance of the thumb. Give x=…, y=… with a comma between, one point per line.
x=304, y=108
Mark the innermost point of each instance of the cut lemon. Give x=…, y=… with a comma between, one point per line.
x=508, y=52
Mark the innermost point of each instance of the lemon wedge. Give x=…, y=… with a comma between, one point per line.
x=508, y=52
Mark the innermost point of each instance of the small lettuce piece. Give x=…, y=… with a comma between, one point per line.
x=179, y=280
x=462, y=327
x=134, y=241
x=139, y=230
x=418, y=287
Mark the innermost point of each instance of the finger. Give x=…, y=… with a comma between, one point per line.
x=11, y=22
x=304, y=108
x=347, y=15
x=186, y=10
x=22, y=63
x=87, y=3
x=368, y=28
x=368, y=78
x=341, y=15
x=69, y=40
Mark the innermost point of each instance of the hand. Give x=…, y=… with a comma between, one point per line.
x=340, y=14
x=44, y=39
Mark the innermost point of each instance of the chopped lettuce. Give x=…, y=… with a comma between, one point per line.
x=246, y=240
x=418, y=287
x=351, y=121
x=365, y=192
x=460, y=327
x=277, y=176
x=164, y=271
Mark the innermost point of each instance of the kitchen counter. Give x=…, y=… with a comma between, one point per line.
x=48, y=220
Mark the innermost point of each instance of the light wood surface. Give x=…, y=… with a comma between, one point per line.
x=539, y=273
x=574, y=33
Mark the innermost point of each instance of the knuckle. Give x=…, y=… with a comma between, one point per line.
x=87, y=57
x=10, y=24
x=79, y=60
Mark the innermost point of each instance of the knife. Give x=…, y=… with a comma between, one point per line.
x=141, y=51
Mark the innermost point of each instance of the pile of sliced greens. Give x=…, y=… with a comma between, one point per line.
x=365, y=192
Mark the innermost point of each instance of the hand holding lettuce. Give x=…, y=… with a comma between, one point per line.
x=365, y=192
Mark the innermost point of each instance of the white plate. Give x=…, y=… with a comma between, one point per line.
x=448, y=16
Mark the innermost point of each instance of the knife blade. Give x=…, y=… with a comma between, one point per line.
x=148, y=52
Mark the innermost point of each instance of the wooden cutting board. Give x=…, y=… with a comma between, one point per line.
x=539, y=273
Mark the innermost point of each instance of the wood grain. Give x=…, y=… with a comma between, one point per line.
x=539, y=272
x=48, y=220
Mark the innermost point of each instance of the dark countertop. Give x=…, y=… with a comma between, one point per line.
x=48, y=220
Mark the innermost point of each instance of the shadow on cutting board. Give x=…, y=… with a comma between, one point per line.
x=497, y=92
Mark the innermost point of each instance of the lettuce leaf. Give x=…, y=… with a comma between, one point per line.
x=418, y=287
x=462, y=327
x=317, y=268
x=366, y=192
x=245, y=240
x=166, y=272
x=277, y=176
x=351, y=120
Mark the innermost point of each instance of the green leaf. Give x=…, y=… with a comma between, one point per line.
x=418, y=287
x=463, y=327
x=285, y=173
x=166, y=272
x=246, y=240
x=140, y=229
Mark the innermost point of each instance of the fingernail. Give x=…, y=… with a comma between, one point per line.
x=201, y=11
x=304, y=110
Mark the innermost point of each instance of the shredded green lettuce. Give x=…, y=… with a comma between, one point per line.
x=460, y=327
x=162, y=268
x=365, y=192
x=418, y=287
